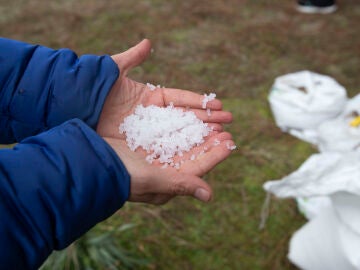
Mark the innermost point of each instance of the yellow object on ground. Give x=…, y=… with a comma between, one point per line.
x=355, y=122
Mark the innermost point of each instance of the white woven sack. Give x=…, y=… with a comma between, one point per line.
x=340, y=134
x=303, y=100
x=331, y=239
x=325, y=242
x=320, y=175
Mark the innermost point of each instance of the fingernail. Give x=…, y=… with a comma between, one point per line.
x=202, y=194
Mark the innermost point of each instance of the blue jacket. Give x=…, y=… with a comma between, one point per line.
x=61, y=178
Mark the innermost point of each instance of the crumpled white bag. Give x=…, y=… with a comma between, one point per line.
x=321, y=174
x=303, y=100
x=310, y=207
x=341, y=134
x=321, y=116
x=325, y=243
x=314, y=108
x=331, y=239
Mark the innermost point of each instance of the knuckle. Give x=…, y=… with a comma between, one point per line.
x=177, y=187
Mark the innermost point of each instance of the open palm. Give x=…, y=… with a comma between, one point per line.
x=122, y=100
x=126, y=94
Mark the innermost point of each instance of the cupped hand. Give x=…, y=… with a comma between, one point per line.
x=126, y=94
x=151, y=183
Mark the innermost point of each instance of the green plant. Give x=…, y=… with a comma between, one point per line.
x=97, y=249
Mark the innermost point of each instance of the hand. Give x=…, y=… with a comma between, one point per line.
x=126, y=94
x=149, y=182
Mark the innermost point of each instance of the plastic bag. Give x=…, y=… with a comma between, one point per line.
x=342, y=133
x=325, y=243
x=311, y=207
x=315, y=108
x=303, y=100
x=320, y=175
x=331, y=239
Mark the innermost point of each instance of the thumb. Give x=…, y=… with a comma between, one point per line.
x=175, y=183
x=133, y=56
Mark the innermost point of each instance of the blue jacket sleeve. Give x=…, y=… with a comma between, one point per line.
x=41, y=88
x=53, y=188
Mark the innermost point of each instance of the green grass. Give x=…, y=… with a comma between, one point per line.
x=235, y=48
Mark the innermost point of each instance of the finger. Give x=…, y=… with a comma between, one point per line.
x=213, y=116
x=179, y=159
x=210, y=142
x=185, y=98
x=207, y=161
x=133, y=56
x=174, y=183
x=216, y=127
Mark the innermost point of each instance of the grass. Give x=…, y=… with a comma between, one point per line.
x=233, y=47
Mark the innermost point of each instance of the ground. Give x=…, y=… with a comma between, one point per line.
x=235, y=48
